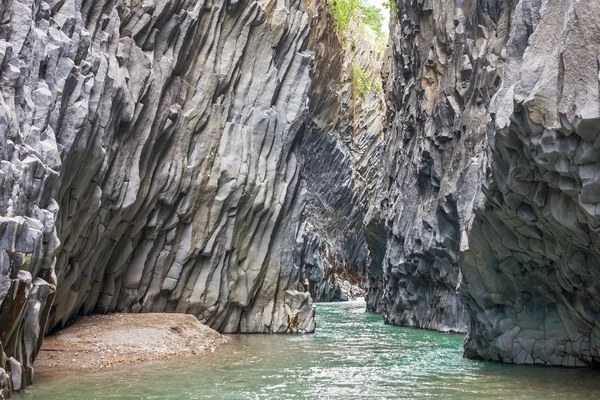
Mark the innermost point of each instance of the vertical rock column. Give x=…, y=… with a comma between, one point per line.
x=158, y=144
x=448, y=59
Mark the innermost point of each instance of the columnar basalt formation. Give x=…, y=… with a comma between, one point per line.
x=343, y=146
x=178, y=156
x=491, y=178
x=447, y=63
x=216, y=158
x=532, y=270
x=150, y=161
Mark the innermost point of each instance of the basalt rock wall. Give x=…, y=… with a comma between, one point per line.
x=343, y=146
x=447, y=63
x=490, y=186
x=150, y=161
x=532, y=270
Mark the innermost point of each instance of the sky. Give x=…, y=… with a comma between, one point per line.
x=385, y=11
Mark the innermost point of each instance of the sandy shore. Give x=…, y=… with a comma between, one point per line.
x=102, y=341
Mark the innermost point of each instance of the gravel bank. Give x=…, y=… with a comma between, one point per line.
x=102, y=341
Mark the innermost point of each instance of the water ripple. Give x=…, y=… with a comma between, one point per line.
x=352, y=356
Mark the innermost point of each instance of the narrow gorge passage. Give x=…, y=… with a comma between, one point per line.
x=352, y=355
x=174, y=173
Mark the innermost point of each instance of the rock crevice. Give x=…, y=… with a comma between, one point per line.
x=447, y=63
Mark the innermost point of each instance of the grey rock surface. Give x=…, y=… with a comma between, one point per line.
x=177, y=156
x=150, y=161
x=343, y=146
x=531, y=273
x=447, y=61
x=214, y=158
x=490, y=185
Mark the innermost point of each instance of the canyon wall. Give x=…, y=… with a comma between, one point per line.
x=490, y=186
x=447, y=64
x=531, y=273
x=150, y=162
x=343, y=146
x=178, y=156
x=216, y=158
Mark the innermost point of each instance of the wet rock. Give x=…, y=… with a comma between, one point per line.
x=17, y=376
x=5, y=389
x=300, y=317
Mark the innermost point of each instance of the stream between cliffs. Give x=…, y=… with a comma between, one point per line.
x=353, y=355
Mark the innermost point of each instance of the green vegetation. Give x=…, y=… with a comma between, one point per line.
x=372, y=17
x=348, y=15
x=390, y=5
x=362, y=79
x=345, y=11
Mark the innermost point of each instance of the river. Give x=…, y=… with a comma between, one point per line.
x=353, y=355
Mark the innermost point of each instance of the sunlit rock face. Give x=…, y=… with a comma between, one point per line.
x=532, y=271
x=150, y=161
x=448, y=59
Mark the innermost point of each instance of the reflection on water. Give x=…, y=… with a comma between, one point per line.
x=353, y=355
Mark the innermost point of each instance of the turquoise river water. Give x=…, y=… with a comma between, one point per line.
x=353, y=355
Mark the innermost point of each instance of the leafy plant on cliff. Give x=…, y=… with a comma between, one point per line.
x=344, y=11
x=361, y=79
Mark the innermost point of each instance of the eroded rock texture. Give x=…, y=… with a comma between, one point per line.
x=343, y=146
x=150, y=161
x=532, y=271
x=492, y=178
x=447, y=63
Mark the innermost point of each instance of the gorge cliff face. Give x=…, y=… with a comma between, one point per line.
x=490, y=188
x=178, y=156
x=447, y=64
x=215, y=158
x=343, y=146
x=531, y=271
x=151, y=162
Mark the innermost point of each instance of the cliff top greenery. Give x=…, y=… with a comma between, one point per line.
x=345, y=11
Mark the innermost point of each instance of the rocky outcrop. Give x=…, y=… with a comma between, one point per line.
x=178, y=156
x=150, y=162
x=491, y=180
x=532, y=270
x=343, y=146
x=447, y=64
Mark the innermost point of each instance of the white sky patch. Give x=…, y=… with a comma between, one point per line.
x=384, y=11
